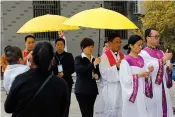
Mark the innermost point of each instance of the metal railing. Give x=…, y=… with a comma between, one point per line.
x=121, y=7
x=43, y=8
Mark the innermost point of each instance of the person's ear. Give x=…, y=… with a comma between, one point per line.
x=130, y=46
x=21, y=61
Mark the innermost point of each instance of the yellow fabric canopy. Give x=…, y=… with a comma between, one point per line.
x=46, y=23
x=101, y=18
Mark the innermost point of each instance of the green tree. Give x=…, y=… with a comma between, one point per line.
x=161, y=16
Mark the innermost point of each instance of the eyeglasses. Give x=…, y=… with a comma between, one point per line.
x=157, y=36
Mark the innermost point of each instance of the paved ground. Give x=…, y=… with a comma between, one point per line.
x=172, y=94
x=74, y=109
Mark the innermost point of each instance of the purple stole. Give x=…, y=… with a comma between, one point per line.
x=159, y=78
x=159, y=55
x=139, y=62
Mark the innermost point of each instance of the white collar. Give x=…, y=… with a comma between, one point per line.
x=115, y=52
x=83, y=55
x=15, y=66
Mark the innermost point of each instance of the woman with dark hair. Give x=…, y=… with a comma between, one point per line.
x=135, y=81
x=86, y=67
x=38, y=93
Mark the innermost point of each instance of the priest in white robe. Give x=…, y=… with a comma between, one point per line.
x=135, y=81
x=160, y=105
x=61, y=35
x=109, y=100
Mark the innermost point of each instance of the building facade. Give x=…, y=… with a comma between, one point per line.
x=15, y=13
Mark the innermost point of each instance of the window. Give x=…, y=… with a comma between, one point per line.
x=43, y=8
x=135, y=7
x=121, y=7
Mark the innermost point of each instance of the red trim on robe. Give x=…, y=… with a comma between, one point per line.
x=111, y=58
x=25, y=53
x=121, y=56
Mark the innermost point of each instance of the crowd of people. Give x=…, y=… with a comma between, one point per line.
x=38, y=82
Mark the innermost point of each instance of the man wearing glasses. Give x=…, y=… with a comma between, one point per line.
x=160, y=80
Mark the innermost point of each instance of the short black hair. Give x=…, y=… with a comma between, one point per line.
x=86, y=42
x=132, y=40
x=13, y=54
x=59, y=39
x=105, y=42
x=29, y=36
x=6, y=48
x=148, y=32
x=112, y=36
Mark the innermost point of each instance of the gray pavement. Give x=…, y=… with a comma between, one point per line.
x=74, y=108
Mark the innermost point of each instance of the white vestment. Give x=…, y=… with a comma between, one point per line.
x=11, y=72
x=154, y=105
x=138, y=107
x=65, y=48
x=109, y=100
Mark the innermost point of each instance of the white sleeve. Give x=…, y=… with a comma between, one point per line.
x=108, y=73
x=6, y=82
x=126, y=79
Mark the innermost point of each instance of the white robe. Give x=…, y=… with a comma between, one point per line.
x=138, y=108
x=154, y=105
x=65, y=48
x=11, y=72
x=109, y=100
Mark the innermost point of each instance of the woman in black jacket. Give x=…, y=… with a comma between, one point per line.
x=86, y=67
x=50, y=101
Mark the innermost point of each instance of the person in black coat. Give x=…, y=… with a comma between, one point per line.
x=50, y=101
x=64, y=66
x=87, y=71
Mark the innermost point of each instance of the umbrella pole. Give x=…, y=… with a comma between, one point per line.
x=99, y=39
x=99, y=43
x=49, y=36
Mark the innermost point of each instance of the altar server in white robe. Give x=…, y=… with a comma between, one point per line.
x=134, y=78
x=15, y=66
x=160, y=105
x=109, y=100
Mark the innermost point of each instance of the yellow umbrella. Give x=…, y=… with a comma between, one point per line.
x=101, y=18
x=46, y=23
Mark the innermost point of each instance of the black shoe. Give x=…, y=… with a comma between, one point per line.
x=174, y=110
